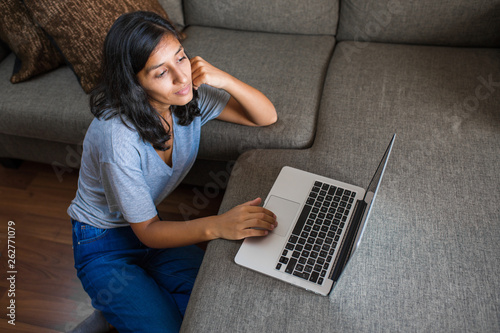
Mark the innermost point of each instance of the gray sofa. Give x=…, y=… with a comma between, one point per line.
x=343, y=76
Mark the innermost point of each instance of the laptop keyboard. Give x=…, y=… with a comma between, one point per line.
x=309, y=250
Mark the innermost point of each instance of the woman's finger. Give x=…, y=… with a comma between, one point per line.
x=254, y=233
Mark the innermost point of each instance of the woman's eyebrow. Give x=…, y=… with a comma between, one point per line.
x=151, y=68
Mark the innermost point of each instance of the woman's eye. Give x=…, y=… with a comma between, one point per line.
x=182, y=59
x=161, y=74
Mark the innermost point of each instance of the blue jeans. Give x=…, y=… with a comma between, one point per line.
x=138, y=289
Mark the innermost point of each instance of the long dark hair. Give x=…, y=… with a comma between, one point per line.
x=127, y=47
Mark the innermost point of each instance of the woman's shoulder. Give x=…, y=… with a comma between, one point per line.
x=208, y=93
x=113, y=134
x=211, y=102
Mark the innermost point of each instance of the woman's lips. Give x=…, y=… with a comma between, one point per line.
x=184, y=91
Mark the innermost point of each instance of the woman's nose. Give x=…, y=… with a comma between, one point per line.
x=180, y=76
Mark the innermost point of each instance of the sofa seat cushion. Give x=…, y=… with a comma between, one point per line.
x=442, y=101
x=289, y=69
x=51, y=107
x=429, y=257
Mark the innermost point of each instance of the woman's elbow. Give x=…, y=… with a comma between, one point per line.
x=272, y=118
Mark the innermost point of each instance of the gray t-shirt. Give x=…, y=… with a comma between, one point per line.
x=122, y=178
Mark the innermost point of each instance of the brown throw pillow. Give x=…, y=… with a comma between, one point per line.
x=79, y=28
x=28, y=41
x=4, y=50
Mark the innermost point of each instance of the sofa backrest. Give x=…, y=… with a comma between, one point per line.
x=314, y=17
x=442, y=22
x=174, y=12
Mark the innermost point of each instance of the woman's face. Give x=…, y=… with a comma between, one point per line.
x=166, y=77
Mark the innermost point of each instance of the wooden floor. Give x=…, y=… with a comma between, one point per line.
x=48, y=295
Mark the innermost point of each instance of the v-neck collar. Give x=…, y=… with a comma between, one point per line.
x=174, y=159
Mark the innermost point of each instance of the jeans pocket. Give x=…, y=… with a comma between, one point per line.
x=86, y=234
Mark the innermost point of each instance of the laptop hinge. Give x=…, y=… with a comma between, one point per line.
x=347, y=244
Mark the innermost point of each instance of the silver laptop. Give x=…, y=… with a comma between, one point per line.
x=320, y=224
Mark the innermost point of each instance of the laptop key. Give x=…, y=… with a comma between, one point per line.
x=314, y=277
x=301, y=275
x=291, y=265
x=302, y=219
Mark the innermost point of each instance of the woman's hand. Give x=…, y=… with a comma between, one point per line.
x=247, y=105
x=204, y=73
x=245, y=220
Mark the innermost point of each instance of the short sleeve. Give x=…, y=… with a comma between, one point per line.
x=211, y=102
x=127, y=192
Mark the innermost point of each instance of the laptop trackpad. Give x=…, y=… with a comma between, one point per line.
x=285, y=211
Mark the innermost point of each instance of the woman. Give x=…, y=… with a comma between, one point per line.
x=137, y=269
